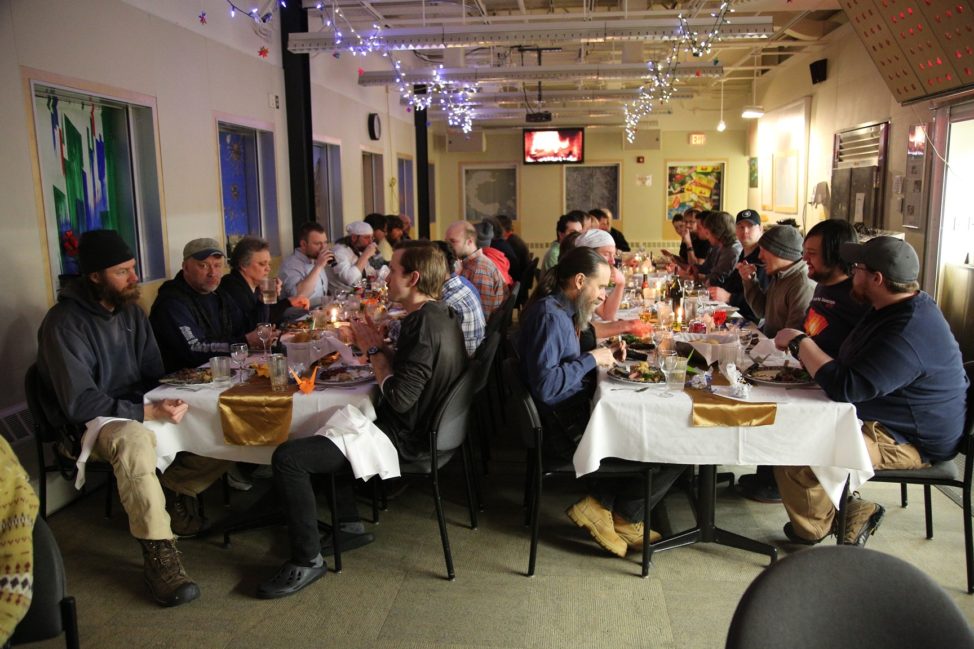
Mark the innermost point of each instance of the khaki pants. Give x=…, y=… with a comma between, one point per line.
x=130, y=447
x=809, y=507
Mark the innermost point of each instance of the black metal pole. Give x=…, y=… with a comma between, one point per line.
x=422, y=169
x=297, y=102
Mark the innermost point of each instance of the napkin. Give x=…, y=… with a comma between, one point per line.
x=366, y=447
x=331, y=344
x=715, y=347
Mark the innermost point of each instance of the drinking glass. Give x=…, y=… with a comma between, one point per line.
x=239, y=353
x=268, y=290
x=277, y=363
x=675, y=371
x=264, y=334
x=220, y=370
x=667, y=362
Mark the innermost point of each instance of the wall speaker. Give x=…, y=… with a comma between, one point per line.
x=818, y=70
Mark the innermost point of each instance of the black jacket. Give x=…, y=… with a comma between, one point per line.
x=249, y=303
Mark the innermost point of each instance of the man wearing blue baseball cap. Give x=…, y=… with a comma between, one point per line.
x=900, y=366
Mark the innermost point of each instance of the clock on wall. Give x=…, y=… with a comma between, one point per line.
x=375, y=126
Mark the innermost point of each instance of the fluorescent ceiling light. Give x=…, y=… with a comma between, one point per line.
x=445, y=36
x=752, y=112
x=537, y=73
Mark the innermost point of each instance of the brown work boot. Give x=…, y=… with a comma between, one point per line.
x=632, y=533
x=185, y=518
x=590, y=514
x=164, y=574
x=862, y=519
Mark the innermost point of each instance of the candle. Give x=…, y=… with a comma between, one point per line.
x=679, y=315
x=334, y=315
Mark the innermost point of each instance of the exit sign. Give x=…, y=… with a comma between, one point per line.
x=698, y=139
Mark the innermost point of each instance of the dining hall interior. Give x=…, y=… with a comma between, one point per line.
x=171, y=121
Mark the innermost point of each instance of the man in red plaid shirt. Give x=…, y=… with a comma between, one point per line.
x=477, y=267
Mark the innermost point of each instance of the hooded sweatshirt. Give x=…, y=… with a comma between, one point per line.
x=96, y=362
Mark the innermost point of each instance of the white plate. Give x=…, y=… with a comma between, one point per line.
x=614, y=373
x=360, y=374
x=765, y=376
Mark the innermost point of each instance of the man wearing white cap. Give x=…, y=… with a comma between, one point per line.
x=603, y=243
x=352, y=255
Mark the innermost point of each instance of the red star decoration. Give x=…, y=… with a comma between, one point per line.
x=202, y=18
x=263, y=52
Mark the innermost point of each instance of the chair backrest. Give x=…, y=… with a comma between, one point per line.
x=501, y=317
x=44, y=428
x=44, y=619
x=969, y=416
x=451, y=418
x=844, y=596
x=521, y=405
x=527, y=278
x=484, y=356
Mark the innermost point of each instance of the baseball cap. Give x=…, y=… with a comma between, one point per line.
x=894, y=258
x=749, y=215
x=200, y=249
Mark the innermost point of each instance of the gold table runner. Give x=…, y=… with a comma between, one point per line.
x=711, y=409
x=254, y=415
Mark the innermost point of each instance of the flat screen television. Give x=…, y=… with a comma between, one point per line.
x=554, y=145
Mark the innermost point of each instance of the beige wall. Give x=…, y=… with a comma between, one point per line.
x=541, y=188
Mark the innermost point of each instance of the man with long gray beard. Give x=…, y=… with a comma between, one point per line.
x=562, y=381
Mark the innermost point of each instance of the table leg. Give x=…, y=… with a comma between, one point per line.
x=706, y=531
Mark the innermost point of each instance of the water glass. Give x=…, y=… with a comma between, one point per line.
x=220, y=369
x=268, y=290
x=675, y=370
x=277, y=363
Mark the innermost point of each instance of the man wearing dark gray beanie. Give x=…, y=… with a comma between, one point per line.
x=96, y=359
x=785, y=301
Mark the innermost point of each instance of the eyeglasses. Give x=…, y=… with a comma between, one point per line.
x=856, y=267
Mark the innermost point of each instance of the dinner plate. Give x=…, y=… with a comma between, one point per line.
x=340, y=375
x=769, y=375
x=621, y=375
x=189, y=376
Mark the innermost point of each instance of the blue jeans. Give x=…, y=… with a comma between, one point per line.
x=295, y=462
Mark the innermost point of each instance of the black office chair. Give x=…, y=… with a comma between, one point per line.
x=945, y=474
x=845, y=596
x=52, y=612
x=528, y=423
x=447, y=435
x=64, y=442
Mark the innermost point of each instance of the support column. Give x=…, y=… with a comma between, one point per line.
x=422, y=170
x=297, y=102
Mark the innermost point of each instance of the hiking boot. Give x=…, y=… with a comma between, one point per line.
x=590, y=514
x=632, y=533
x=755, y=486
x=164, y=574
x=862, y=519
x=795, y=537
x=185, y=518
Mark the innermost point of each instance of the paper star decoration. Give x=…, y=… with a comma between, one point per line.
x=202, y=18
x=263, y=52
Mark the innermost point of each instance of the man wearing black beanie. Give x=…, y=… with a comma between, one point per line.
x=96, y=359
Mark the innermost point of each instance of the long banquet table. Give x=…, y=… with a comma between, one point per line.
x=809, y=429
x=201, y=431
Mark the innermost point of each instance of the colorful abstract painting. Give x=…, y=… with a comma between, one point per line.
x=86, y=172
x=693, y=185
x=240, y=184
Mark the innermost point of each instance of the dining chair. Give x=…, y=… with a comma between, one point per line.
x=845, y=596
x=526, y=280
x=483, y=402
x=63, y=440
x=52, y=611
x=528, y=423
x=946, y=474
x=448, y=435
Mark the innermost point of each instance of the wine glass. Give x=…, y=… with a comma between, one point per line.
x=264, y=334
x=239, y=353
x=668, y=362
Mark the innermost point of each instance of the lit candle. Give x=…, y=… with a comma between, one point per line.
x=679, y=315
x=334, y=315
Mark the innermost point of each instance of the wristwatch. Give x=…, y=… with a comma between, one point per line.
x=372, y=351
x=795, y=343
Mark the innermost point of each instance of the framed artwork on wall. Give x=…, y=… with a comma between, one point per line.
x=752, y=173
x=693, y=184
x=488, y=190
x=592, y=186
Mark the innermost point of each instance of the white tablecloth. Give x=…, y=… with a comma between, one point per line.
x=201, y=432
x=809, y=429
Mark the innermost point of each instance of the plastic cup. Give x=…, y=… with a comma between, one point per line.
x=277, y=364
x=220, y=369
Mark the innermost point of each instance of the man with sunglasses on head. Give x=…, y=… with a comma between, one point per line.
x=900, y=366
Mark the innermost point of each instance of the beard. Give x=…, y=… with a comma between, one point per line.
x=118, y=298
x=584, y=309
x=859, y=295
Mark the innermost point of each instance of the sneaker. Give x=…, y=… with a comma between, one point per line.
x=632, y=533
x=352, y=536
x=185, y=518
x=862, y=519
x=236, y=480
x=754, y=487
x=590, y=514
x=291, y=578
x=795, y=537
x=164, y=574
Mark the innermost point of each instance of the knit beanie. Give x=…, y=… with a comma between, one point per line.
x=485, y=234
x=783, y=241
x=101, y=249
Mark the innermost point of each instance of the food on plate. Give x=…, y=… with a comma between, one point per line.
x=188, y=376
x=327, y=360
x=785, y=374
x=639, y=372
x=346, y=374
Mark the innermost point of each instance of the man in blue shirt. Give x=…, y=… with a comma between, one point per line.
x=562, y=381
x=303, y=273
x=900, y=366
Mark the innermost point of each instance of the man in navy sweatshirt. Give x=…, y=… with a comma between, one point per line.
x=900, y=366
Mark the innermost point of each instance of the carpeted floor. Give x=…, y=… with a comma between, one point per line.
x=393, y=593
